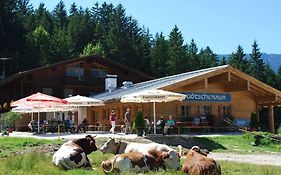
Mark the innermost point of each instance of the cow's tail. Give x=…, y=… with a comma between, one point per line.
x=112, y=165
x=180, y=149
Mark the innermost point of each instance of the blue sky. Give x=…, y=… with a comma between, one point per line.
x=220, y=24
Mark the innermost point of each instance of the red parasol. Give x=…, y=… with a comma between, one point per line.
x=39, y=101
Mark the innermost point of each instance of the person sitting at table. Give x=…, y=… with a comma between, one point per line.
x=69, y=125
x=203, y=119
x=160, y=125
x=83, y=125
x=147, y=126
x=169, y=124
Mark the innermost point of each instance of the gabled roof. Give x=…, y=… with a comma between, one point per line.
x=188, y=78
x=72, y=61
x=154, y=84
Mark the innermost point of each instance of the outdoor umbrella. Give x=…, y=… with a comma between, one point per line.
x=82, y=101
x=39, y=102
x=154, y=95
x=79, y=100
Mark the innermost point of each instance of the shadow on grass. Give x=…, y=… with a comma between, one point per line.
x=187, y=142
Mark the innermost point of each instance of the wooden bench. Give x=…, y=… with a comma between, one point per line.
x=193, y=125
x=94, y=128
x=103, y=127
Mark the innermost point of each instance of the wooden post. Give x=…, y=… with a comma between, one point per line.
x=206, y=83
x=271, y=118
x=258, y=112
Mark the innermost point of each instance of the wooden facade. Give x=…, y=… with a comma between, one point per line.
x=80, y=76
x=247, y=94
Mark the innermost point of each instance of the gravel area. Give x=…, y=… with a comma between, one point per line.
x=273, y=159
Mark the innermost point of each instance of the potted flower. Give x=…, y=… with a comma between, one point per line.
x=139, y=123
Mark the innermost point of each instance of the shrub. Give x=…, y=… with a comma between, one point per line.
x=279, y=130
x=254, y=123
x=139, y=123
x=9, y=119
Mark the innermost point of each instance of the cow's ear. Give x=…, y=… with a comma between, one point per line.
x=165, y=156
x=119, y=142
x=88, y=137
x=111, y=138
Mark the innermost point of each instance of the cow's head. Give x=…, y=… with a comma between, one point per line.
x=170, y=159
x=198, y=150
x=107, y=165
x=111, y=146
x=88, y=144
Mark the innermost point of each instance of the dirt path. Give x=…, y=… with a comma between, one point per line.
x=260, y=159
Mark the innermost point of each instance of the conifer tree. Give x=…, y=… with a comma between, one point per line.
x=278, y=78
x=223, y=61
x=270, y=76
x=176, y=62
x=257, y=65
x=237, y=59
x=192, y=52
x=42, y=17
x=159, y=56
x=207, y=58
x=60, y=16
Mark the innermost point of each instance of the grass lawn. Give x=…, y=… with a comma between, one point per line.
x=40, y=163
x=35, y=163
x=243, y=144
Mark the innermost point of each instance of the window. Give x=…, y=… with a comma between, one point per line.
x=226, y=111
x=207, y=110
x=185, y=111
x=76, y=70
x=98, y=71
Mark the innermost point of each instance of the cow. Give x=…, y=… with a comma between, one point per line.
x=197, y=163
x=136, y=161
x=73, y=154
x=118, y=147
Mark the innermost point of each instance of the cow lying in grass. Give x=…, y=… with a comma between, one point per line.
x=136, y=161
x=73, y=154
x=119, y=147
x=197, y=163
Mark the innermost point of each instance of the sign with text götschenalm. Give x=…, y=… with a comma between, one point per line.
x=207, y=97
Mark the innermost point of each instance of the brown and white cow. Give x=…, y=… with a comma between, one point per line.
x=136, y=161
x=197, y=163
x=73, y=154
x=118, y=147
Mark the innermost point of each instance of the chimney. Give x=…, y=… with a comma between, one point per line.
x=110, y=82
x=127, y=84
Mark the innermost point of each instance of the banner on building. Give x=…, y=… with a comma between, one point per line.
x=207, y=97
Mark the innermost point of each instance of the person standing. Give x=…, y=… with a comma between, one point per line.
x=112, y=118
x=127, y=119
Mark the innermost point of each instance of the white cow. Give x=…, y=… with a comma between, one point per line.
x=73, y=154
x=114, y=147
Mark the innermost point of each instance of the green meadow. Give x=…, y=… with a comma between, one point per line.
x=16, y=160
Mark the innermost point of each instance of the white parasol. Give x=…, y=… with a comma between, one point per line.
x=154, y=95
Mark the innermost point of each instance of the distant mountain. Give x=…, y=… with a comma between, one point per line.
x=274, y=60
